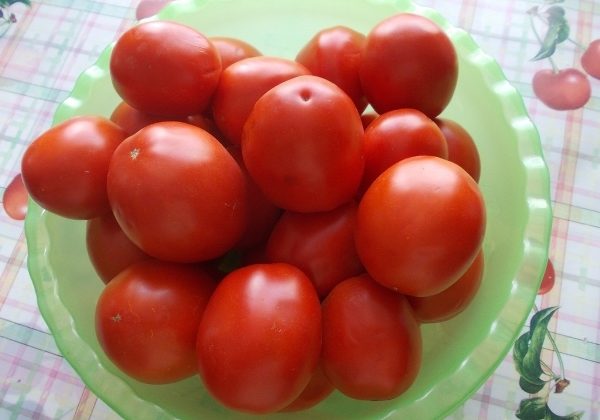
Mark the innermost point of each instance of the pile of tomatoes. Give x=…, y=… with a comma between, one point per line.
x=279, y=227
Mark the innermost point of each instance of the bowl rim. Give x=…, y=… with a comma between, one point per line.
x=536, y=234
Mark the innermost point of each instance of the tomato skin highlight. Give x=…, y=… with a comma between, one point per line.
x=303, y=145
x=147, y=318
x=177, y=193
x=372, y=344
x=420, y=225
x=259, y=340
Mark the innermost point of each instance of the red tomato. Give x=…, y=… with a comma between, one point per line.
x=452, y=301
x=397, y=135
x=420, y=225
x=165, y=68
x=336, y=54
x=242, y=84
x=232, y=50
x=316, y=391
x=64, y=169
x=109, y=249
x=303, y=145
x=177, y=193
x=147, y=319
x=408, y=62
x=260, y=338
x=548, y=280
x=320, y=244
x=462, y=149
x=371, y=340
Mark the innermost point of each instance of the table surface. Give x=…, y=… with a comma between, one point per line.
x=53, y=41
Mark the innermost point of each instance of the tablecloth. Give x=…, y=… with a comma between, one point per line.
x=44, y=46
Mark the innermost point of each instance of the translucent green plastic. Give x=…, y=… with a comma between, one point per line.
x=459, y=355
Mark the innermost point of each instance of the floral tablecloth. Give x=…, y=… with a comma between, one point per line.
x=46, y=44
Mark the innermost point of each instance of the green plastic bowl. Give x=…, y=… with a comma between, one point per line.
x=459, y=355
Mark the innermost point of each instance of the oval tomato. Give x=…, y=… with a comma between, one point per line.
x=65, y=168
x=316, y=391
x=109, y=249
x=451, y=301
x=462, y=149
x=336, y=54
x=232, y=50
x=177, y=193
x=260, y=338
x=165, y=68
x=398, y=135
x=371, y=340
x=408, y=62
x=303, y=145
x=320, y=244
x=147, y=319
x=242, y=84
x=420, y=225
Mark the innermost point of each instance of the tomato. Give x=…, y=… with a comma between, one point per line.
x=335, y=54
x=242, y=84
x=177, y=193
x=303, y=145
x=260, y=338
x=548, y=280
x=109, y=249
x=371, y=340
x=462, y=149
x=408, y=62
x=320, y=244
x=453, y=300
x=232, y=50
x=397, y=135
x=64, y=169
x=420, y=225
x=316, y=391
x=147, y=319
x=165, y=68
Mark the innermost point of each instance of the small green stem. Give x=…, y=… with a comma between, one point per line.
x=577, y=44
x=558, y=356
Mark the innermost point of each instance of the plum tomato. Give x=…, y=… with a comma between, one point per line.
x=420, y=225
x=65, y=168
x=320, y=244
x=397, y=135
x=371, y=340
x=109, y=249
x=303, y=145
x=232, y=50
x=408, y=62
x=548, y=279
x=242, y=84
x=165, y=68
x=316, y=391
x=177, y=193
x=453, y=300
x=259, y=340
x=147, y=318
x=336, y=54
x=462, y=149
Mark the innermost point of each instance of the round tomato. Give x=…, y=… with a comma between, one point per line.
x=320, y=244
x=303, y=145
x=147, y=319
x=165, y=68
x=335, y=54
x=64, y=169
x=242, y=84
x=260, y=338
x=232, y=50
x=109, y=249
x=408, y=62
x=316, y=391
x=451, y=301
x=462, y=149
x=177, y=193
x=420, y=225
x=371, y=340
x=397, y=135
